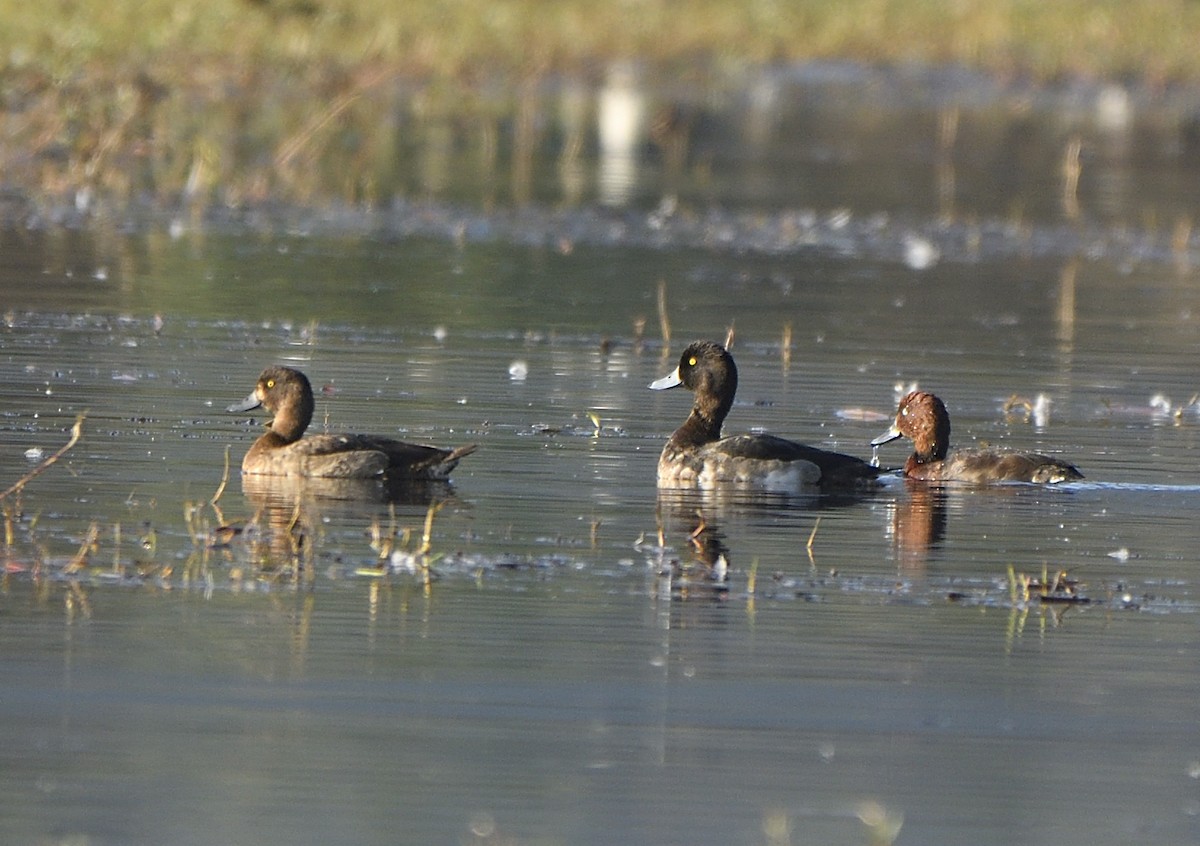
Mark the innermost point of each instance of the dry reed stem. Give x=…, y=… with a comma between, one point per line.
x=224, y=480
x=9, y=533
x=76, y=433
x=299, y=141
x=80, y=560
x=426, y=537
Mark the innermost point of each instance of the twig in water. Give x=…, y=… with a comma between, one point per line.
x=80, y=560
x=224, y=480
x=729, y=336
x=76, y=433
x=812, y=537
x=426, y=541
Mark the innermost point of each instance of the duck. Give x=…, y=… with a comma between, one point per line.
x=922, y=416
x=284, y=451
x=697, y=456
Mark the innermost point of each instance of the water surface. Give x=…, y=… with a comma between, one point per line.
x=563, y=667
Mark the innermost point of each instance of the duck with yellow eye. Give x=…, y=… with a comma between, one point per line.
x=696, y=456
x=284, y=451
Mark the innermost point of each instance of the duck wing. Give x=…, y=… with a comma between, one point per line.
x=982, y=466
x=836, y=468
x=415, y=461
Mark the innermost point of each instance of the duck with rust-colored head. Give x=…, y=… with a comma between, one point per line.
x=284, y=451
x=923, y=418
x=696, y=456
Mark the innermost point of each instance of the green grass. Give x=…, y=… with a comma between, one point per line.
x=449, y=38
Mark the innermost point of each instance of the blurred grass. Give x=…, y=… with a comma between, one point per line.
x=456, y=38
x=240, y=101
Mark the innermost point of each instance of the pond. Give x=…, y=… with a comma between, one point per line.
x=566, y=663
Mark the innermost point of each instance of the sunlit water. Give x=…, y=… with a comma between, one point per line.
x=868, y=668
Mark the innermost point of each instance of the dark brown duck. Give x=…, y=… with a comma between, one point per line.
x=284, y=451
x=697, y=456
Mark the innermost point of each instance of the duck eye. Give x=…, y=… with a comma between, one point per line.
x=692, y=361
x=270, y=383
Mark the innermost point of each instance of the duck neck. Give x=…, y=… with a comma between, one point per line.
x=703, y=425
x=290, y=422
x=931, y=446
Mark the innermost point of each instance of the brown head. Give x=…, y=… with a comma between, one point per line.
x=921, y=417
x=287, y=395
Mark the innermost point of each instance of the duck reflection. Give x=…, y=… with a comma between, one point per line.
x=699, y=514
x=289, y=512
x=918, y=524
x=703, y=565
x=344, y=495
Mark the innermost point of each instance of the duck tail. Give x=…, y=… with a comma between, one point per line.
x=440, y=467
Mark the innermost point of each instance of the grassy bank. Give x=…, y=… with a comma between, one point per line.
x=452, y=38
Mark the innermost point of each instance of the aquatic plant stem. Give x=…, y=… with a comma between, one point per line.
x=80, y=560
x=224, y=480
x=809, y=546
x=426, y=537
x=76, y=434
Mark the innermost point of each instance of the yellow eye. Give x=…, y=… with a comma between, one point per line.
x=270, y=383
x=692, y=361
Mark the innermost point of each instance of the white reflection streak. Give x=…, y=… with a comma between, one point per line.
x=621, y=109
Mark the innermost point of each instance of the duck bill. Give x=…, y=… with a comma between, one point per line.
x=890, y=435
x=248, y=403
x=671, y=381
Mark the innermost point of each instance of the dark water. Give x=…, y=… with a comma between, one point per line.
x=554, y=675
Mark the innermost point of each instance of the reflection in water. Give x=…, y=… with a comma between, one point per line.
x=525, y=142
x=620, y=115
x=918, y=524
x=343, y=495
x=705, y=567
x=1066, y=307
x=544, y=645
x=944, y=163
x=290, y=512
x=695, y=519
x=573, y=100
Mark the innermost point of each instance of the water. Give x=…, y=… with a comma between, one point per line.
x=870, y=668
